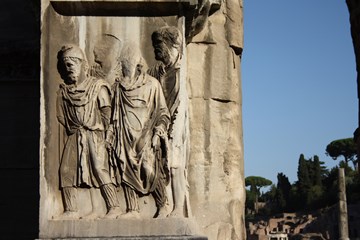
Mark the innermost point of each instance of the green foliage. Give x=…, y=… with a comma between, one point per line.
x=303, y=183
x=343, y=147
x=278, y=196
x=316, y=187
x=250, y=199
x=314, y=197
x=330, y=184
x=280, y=201
x=283, y=191
x=311, y=174
x=283, y=184
x=353, y=188
x=256, y=182
x=317, y=171
x=271, y=194
x=295, y=201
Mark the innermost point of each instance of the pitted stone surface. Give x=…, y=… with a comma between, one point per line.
x=208, y=73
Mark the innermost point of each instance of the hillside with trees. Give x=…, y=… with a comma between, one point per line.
x=316, y=186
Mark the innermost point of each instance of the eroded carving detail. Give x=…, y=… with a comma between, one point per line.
x=134, y=134
x=138, y=133
x=106, y=53
x=167, y=43
x=83, y=108
x=84, y=24
x=199, y=18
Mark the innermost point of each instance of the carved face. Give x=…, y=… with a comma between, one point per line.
x=161, y=50
x=131, y=63
x=73, y=69
x=129, y=71
x=106, y=52
x=106, y=58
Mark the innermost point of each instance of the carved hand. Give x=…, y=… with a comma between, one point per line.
x=156, y=142
x=108, y=146
x=109, y=140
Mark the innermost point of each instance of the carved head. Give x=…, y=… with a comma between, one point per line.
x=167, y=43
x=106, y=52
x=132, y=64
x=72, y=64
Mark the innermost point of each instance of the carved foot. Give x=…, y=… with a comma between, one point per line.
x=130, y=215
x=113, y=213
x=91, y=215
x=68, y=215
x=176, y=213
x=162, y=212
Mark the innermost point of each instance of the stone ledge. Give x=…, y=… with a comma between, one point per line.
x=177, y=228
x=138, y=238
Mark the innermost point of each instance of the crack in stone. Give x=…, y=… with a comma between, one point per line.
x=222, y=100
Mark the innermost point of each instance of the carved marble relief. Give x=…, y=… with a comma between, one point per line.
x=115, y=156
x=106, y=53
x=138, y=133
x=126, y=126
x=168, y=47
x=83, y=109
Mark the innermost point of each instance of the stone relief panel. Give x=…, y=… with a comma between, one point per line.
x=116, y=144
x=116, y=119
x=137, y=136
x=168, y=49
x=83, y=109
x=106, y=54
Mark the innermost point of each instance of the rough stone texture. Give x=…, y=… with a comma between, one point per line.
x=215, y=169
x=343, y=215
x=120, y=227
x=216, y=161
x=324, y=222
x=140, y=238
x=84, y=31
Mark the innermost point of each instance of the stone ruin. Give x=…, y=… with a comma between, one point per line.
x=141, y=134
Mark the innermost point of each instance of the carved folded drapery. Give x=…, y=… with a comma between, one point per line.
x=138, y=110
x=136, y=85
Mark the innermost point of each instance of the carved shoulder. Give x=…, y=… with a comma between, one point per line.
x=104, y=97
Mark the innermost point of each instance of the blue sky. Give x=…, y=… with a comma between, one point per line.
x=298, y=83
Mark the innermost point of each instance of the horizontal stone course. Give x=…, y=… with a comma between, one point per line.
x=141, y=238
x=174, y=227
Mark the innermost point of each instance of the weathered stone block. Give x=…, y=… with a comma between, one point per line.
x=199, y=131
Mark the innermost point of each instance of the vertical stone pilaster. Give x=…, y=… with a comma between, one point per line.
x=343, y=216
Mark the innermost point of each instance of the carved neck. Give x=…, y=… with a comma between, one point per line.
x=173, y=60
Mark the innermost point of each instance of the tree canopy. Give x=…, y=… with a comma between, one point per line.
x=315, y=188
x=343, y=147
x=256, y=182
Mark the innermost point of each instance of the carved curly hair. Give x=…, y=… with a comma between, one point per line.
x=170, y=35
